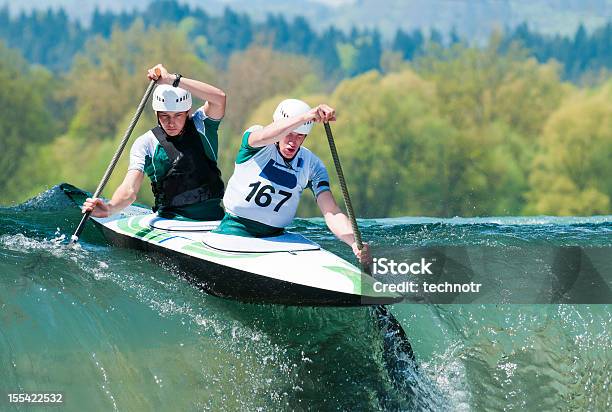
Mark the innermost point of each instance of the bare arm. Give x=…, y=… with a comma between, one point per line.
x=215, y=97
x=275, y=131
x=340, y=225
x=124, y=196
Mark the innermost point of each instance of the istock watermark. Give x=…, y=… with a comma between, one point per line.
x=484, y=274
x=384, y=266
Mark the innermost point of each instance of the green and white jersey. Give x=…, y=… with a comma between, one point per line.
x=150, y=158
x=266, y=188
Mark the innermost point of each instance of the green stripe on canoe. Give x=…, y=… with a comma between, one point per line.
x=350, y=274
x=362, y=284
x=134, y=227
x=131, y=226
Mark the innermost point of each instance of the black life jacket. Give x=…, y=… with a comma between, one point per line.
x=192, y=177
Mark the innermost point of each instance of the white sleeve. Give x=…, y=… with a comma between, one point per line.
x=319, y=178
x=253, y=128
x=199, y=115
x=142, y=147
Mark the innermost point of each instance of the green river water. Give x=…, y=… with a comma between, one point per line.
x=112, y=330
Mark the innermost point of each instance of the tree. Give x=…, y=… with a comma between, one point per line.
x=435, y=37
x=454, y=37
x=497, y=103
x=408, y=44
x=301, y=37
x=162, y=11
x=110, y=73
x=326, y=51
x=248, y=83
x=25, y=118
x=572, y=173
x=369, y=51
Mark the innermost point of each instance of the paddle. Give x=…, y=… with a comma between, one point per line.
x=385, y=319
x=109, y=170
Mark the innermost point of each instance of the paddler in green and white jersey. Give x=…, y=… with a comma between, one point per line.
x=272, y=169
x=179, y=155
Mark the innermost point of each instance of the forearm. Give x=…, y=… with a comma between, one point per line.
x=214, y=96
x=275, y=131
x=340, y=226
x=122, y=198
x=127, y=191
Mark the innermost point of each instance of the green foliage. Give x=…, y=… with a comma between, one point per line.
x=461, y=131
x=109, y=74
x=257, y=74
x=348, y=57
x=582, y=56
x=480, y=86
x=497, y=104
x=572, y=174
x=25, y=117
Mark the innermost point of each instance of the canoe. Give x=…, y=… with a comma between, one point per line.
x=288, y=269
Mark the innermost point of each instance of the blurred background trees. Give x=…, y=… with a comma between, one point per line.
x=427, y=124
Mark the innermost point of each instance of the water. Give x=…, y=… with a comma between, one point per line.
x=113, y=330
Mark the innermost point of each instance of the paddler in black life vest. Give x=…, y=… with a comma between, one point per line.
x=179, y=155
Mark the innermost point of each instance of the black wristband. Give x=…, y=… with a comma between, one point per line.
x=177, y=80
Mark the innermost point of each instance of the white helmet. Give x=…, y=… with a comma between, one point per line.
x=167, y=98
x=293, y=107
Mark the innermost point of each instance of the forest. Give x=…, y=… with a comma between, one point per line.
x=428, y=124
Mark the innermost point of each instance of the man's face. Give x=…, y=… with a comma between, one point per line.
x=172, y=122
x=290, y=144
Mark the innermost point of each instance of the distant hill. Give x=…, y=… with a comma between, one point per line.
x=472, y=19
x=52, y=38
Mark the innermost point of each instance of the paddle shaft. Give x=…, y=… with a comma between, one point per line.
x=382, y=313
x=109, y=170
x=343, y=187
